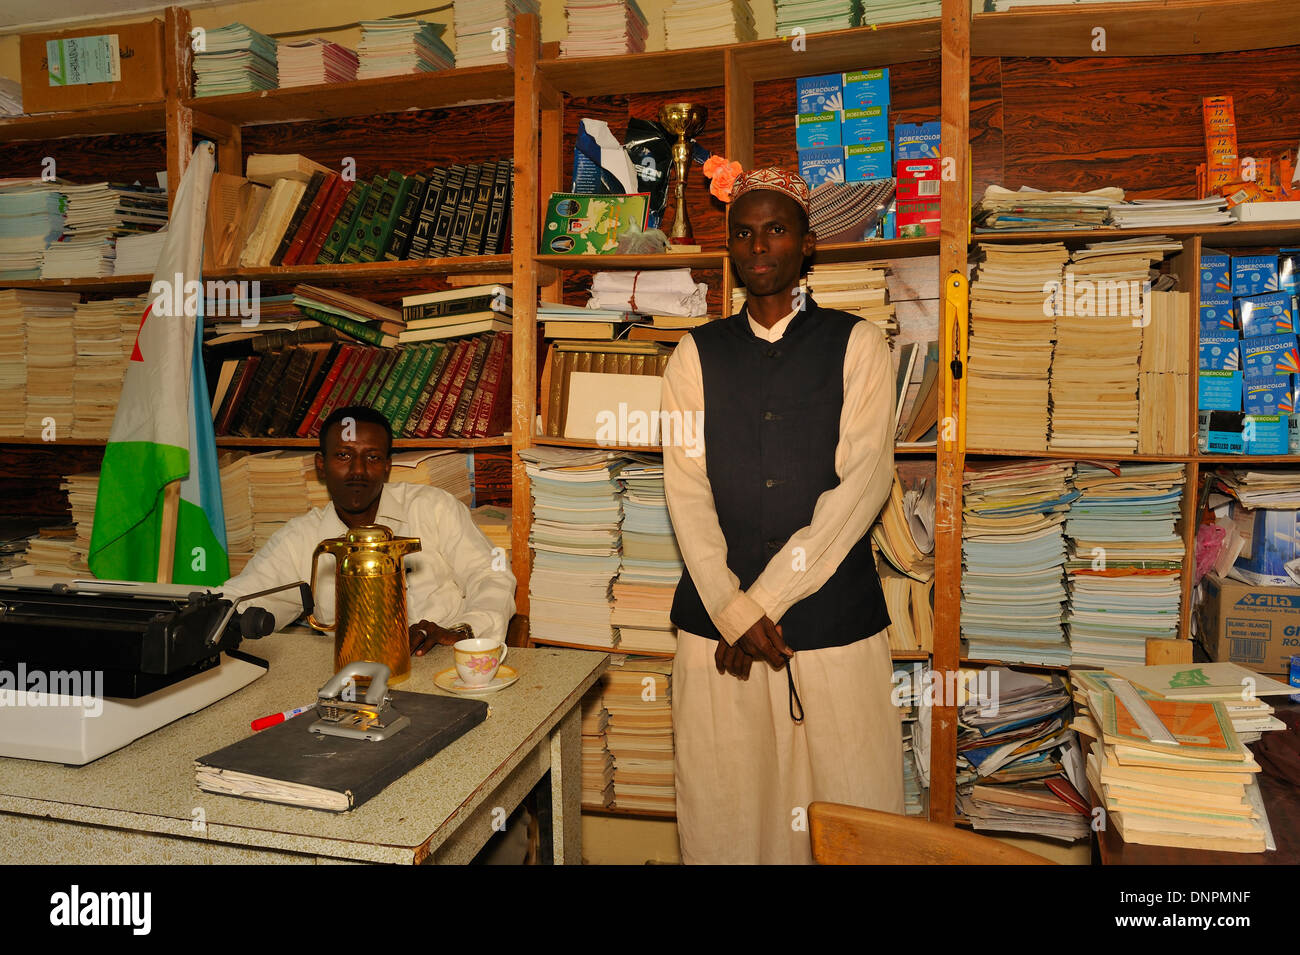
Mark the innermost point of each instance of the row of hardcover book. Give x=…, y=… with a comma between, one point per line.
x=311, y=214
x=438, y=389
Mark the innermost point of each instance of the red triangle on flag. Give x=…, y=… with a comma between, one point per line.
x=135, y=351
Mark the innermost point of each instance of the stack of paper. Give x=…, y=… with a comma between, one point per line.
x=1099, y=333
x=1126, y=559
x=50, y=553
x=603, y=28
x=1157, y=213
x=575, y=541
x=1273, y=490
x=895, y=11
x=282, y=485
x=652, y=564
x=1026, y=209
x=854, y=288
x=1164, y=395
x=494, y=522
x=51, y=370
x=449, y=470
x=31, y=217
x=315, y=61
x=1013, y=314
x=909, y=681
x=640, y=734
x=139, y=254
x=817, y=16
x=21, y=310
x=1012, y=553
x=485, y=30
x=689, y=23
x=86, y=246
x=657, y=292
x=1018, y=765
x=398, y=47
x=1198, y=792
x=97, y=330
x=237, y=502
x=597, y=763
x=234, y=59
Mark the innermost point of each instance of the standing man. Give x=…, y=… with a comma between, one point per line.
x=782, y=680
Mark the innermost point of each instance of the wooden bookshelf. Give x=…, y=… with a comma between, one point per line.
x=101, y=121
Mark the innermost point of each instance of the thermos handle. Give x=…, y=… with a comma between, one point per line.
x=324, y=547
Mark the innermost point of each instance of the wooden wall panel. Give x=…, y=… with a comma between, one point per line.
x=986, y=139
x=123, y=158
x=29, y=488
x=1134, y=122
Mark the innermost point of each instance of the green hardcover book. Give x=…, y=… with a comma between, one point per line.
x=352, y=251
x=416, y=388
x=403, y=382
x=370, y=334
x=390, y=382
x=459, y=224
x=372, y=393
x=342, y=227
x=407, y=212
x=385, y=220
x=373, y=370
x=421, y=402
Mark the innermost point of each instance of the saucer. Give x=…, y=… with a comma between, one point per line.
x=450, y=680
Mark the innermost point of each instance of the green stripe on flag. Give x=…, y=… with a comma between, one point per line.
x=200, y=557
x=128, y=511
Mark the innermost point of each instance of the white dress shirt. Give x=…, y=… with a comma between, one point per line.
x=454, y=578
x=864, y=462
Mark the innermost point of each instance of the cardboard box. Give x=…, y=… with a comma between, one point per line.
x=916, y=140
x=132, y=52
x=918, y=218
x=814, y=130
x=1253, y=274
x=816, y=94
x=1265, y=314
x=1215, y=274
x=866, y=124
x=919, y=179
x=1265, y=434
x=866, y=161
x=1216, y=311
x=1270, y=354
x=1218, y=432
x=1258, y=627
x=1219, y=351
x=866, y=88
x=1267, y=395
x=1218, y=391
x=825, y=164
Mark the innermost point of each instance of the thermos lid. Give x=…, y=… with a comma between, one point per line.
x=368, y=534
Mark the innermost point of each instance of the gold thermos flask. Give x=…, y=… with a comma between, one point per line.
x=369, y=598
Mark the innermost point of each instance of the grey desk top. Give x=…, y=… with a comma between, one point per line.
x=149, y=786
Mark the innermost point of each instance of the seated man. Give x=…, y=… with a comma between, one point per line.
x=456, y=587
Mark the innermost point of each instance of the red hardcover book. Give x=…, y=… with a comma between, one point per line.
x=497, y=407
x=329, y=213
x=236, y=395
x=439, y=398
x=311, y=221
x=443, y=421
x=330, y=383
x=491, y=368
x=347, y=386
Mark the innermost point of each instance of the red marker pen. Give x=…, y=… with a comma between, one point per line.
x=266, y=722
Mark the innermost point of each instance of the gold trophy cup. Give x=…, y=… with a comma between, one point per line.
x=369, y=598
x=685, y=121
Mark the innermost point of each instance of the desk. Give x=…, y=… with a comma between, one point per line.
x=141, y=805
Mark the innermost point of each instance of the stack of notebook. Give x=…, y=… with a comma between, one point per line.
x=640, y=734
x=575, y=541
x=485, y=30
x=909, y=683
x=651, y=566
x=447, y=469
x=1164, y=395
x=97, y=331
x=1126, y=558
x=1012, y=330
x=396, y=47
x=234, y=59
x=1012, y=554
x=1030, y=210
x=817, y=16
x=597, y=763
x=315, y=61
x=603, y=28
x=21, y=311
x=689, y=23
x=31, y=217
x=237, y=503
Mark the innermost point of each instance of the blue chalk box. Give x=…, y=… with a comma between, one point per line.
x=866, y=124
x=817, y=94
x=1253, y=274
x=1218, y=390
x=1219, y=351
x=866, y=88
x=1265, y=314
x=866, y=161
x=812, y=130
x=825, y=164
x=1215, y=278
x=916, y=140
x=1216, y=310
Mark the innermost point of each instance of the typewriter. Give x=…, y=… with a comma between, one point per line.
x=88, y=666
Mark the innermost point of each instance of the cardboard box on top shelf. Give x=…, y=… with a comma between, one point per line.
x=92, y=66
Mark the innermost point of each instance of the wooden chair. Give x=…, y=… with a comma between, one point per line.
x=848, y=835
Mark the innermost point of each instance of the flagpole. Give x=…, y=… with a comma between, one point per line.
x=167, y=537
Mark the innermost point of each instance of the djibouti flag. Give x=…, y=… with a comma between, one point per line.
x=163, y=428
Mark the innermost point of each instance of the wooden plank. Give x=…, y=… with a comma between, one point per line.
x=651, y=72
x=524, y=270
x=947, y=526
x=739, y=106
x=385, y=94
x=1137, y=29
x=235, y=441
x=365, y=271
x=551, y=175
x=177, y=65
x=838, y=50
x=1160, y=651
x=681, y=260
x=101, y=121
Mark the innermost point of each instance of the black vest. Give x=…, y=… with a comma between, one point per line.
x=771, y=427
